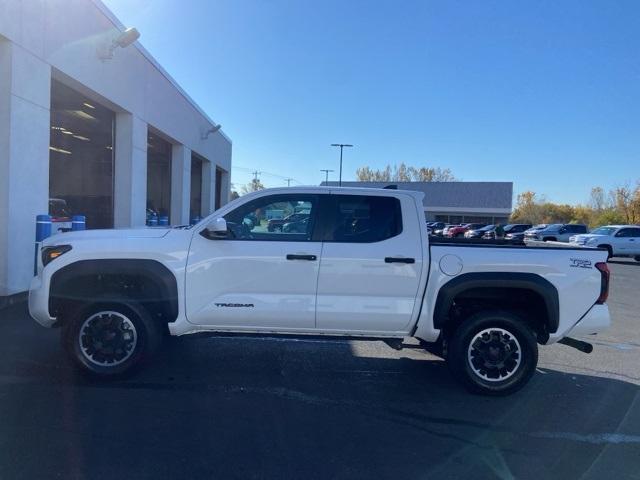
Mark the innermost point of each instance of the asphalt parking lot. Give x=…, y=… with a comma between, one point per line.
x=252, y=409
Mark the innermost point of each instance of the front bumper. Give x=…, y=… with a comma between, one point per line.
x=39, y=303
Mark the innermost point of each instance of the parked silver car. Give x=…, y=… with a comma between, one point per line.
x=557, y=232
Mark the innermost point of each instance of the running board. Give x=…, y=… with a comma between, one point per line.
x=397, y=343
x=584, y=347
x=393, y=342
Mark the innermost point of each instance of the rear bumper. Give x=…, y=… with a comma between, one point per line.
x=596, y=320
x=39, y=303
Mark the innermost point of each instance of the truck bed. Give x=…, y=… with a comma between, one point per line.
x=481, y=242
x=569, y=268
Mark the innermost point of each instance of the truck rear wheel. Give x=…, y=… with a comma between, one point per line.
x=493, y=353
x=108, y=339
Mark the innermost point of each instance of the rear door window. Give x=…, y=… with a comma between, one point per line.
x=362, y=218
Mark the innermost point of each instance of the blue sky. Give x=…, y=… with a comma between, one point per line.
x=543, y=93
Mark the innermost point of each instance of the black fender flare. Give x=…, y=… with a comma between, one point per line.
x=504, y=280
x=62, y=281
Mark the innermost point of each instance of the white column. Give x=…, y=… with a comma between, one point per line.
x=130, y=178
x=208, y=187
x=225, y=187
x=25, y=89
x=180, y=184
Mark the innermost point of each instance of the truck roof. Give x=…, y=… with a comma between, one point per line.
x=344, y=190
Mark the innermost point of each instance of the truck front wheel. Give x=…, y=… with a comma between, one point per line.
x=493, y=353
x=107, y=339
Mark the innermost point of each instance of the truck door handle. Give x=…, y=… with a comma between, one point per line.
x=291, y=256
x=399, y=260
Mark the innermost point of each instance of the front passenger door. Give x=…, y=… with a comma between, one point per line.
x=264, y=274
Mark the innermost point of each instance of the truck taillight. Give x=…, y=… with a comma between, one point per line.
x=604, y=283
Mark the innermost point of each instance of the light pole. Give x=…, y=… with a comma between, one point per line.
x=288, y=180
x=341, y=145
x=326, y=176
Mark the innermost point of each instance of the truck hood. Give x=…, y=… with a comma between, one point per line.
x=115, y=234
x=588, y=236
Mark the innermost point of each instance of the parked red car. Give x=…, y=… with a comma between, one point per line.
x=455, y=232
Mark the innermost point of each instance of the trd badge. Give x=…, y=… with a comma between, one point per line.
x=580, y=263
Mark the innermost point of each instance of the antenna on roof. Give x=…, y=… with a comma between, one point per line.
x=390, y=187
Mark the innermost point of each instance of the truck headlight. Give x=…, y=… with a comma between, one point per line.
x=51, y=253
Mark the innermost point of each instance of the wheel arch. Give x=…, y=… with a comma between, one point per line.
x=608, y=247
x=490, y=286
x=147, y=282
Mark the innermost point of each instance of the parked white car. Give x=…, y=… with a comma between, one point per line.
x=619, y=240
x=361, y=265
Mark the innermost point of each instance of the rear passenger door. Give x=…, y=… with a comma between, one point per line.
x=371, y=263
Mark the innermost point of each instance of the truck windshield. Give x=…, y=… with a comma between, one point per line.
x=604, y=231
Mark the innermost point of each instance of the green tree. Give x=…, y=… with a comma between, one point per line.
x=622, y=206
x=609, y=216
x=252, y=186
x=404, y=173
x=527, y=209
x=584, y=214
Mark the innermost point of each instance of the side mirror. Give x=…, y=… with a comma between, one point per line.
x=563, y=230
x=217, y=228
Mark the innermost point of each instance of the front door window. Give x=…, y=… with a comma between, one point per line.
x=274, y=218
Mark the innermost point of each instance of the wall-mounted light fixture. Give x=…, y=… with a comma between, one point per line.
x=213, y=129
x=126, y=38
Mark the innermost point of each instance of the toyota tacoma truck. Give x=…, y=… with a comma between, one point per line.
x=363, y=267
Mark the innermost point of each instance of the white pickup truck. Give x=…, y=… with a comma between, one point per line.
x=358, y=265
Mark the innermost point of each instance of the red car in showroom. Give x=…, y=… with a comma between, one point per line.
x=457, y=232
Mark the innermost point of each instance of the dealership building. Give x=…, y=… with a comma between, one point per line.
x=456, y=202
x=91, y=124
